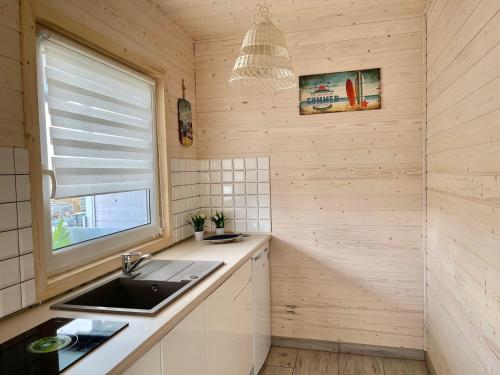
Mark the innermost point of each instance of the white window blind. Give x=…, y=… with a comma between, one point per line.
x=99, y=123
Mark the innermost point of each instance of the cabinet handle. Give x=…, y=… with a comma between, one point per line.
x=261, y=254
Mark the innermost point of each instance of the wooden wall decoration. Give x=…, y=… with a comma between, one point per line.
x=355, y=90
x=185, y=120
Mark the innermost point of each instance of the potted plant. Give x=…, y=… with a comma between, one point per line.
x=218, y=219
x=198, y=222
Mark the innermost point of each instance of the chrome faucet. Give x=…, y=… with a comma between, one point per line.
x=129, y=265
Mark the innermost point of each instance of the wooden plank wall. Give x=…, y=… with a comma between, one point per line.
x=11, y=97
x=463, y=186
x=135, y=25
x=346, y=254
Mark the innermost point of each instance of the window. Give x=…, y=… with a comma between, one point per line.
x=97, y=130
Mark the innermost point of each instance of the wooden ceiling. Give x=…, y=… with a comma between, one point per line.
x=228, y=19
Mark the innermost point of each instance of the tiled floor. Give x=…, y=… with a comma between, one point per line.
x=287, y=361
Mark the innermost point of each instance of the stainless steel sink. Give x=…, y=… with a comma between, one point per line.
x=148, y=290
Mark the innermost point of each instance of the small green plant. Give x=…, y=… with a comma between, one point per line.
x=218, y=219
x=197, y=221
x=60, y=236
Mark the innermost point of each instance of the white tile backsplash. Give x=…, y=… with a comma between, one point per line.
x=16, y=235
x=240, y=187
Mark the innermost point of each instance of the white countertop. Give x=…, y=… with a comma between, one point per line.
x=122, y=350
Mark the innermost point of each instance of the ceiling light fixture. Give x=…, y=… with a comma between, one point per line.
x=263, y=61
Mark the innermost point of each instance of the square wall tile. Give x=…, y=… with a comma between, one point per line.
x=6, y=160
x=9, y=272
x=216, y=202
x=28, y=293
x=21, y=161
x=204, y=189
x=252, y=201
x=7, y=188
x=27, y=265
x=263, y=162
x=239, y=176
x=8, y=216
x=215, y=177
x=240, y=226
x=251, y=176
x=250, y=163
x=264, y=188
x=9, y=244
x=227, y=176
x=228, y=201
x=204, y=165
x=251, y=188
x=263, y=175
x=239, y=189
x=215, y=165
x=252, y=213
x=205, y=177
x=227, y=189
x=265, y=226
x=252, y=226
x=240, y=213
x=264, y=213
x=228, y=213
x=240, y=201
x=227, y=164
x=215, y=189
x=264, y=201
x=10, y=300
x=239, y=164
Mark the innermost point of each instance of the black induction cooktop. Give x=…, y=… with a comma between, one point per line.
x=54, y=345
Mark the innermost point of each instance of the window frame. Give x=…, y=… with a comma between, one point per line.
x=84, y=252
x=34, y=13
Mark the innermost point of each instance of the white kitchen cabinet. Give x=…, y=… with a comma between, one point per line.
x=229, y=326
x=183, y=350
x=148, y=364
x=261, y=306
x=243, y=331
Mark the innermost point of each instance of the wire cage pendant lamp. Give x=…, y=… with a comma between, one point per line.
x=263, y=61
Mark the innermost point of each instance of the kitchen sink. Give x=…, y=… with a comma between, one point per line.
x=146, y=291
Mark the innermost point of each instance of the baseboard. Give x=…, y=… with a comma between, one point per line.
x=430, y=366
x=351, y=348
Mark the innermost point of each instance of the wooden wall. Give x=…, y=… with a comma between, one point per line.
x=463, y=186
x=11, y=97
x=347, y=259
x=135, y=25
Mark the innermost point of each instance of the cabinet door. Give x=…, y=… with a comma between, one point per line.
x=223, y=348
x=262, y=306
x=184, y=348
x=243, y=330
x=149, y=363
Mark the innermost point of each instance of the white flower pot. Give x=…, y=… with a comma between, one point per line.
x=219, y=231
x=199, y=235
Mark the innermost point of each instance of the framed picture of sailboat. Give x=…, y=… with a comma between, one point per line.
x=356, y=90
